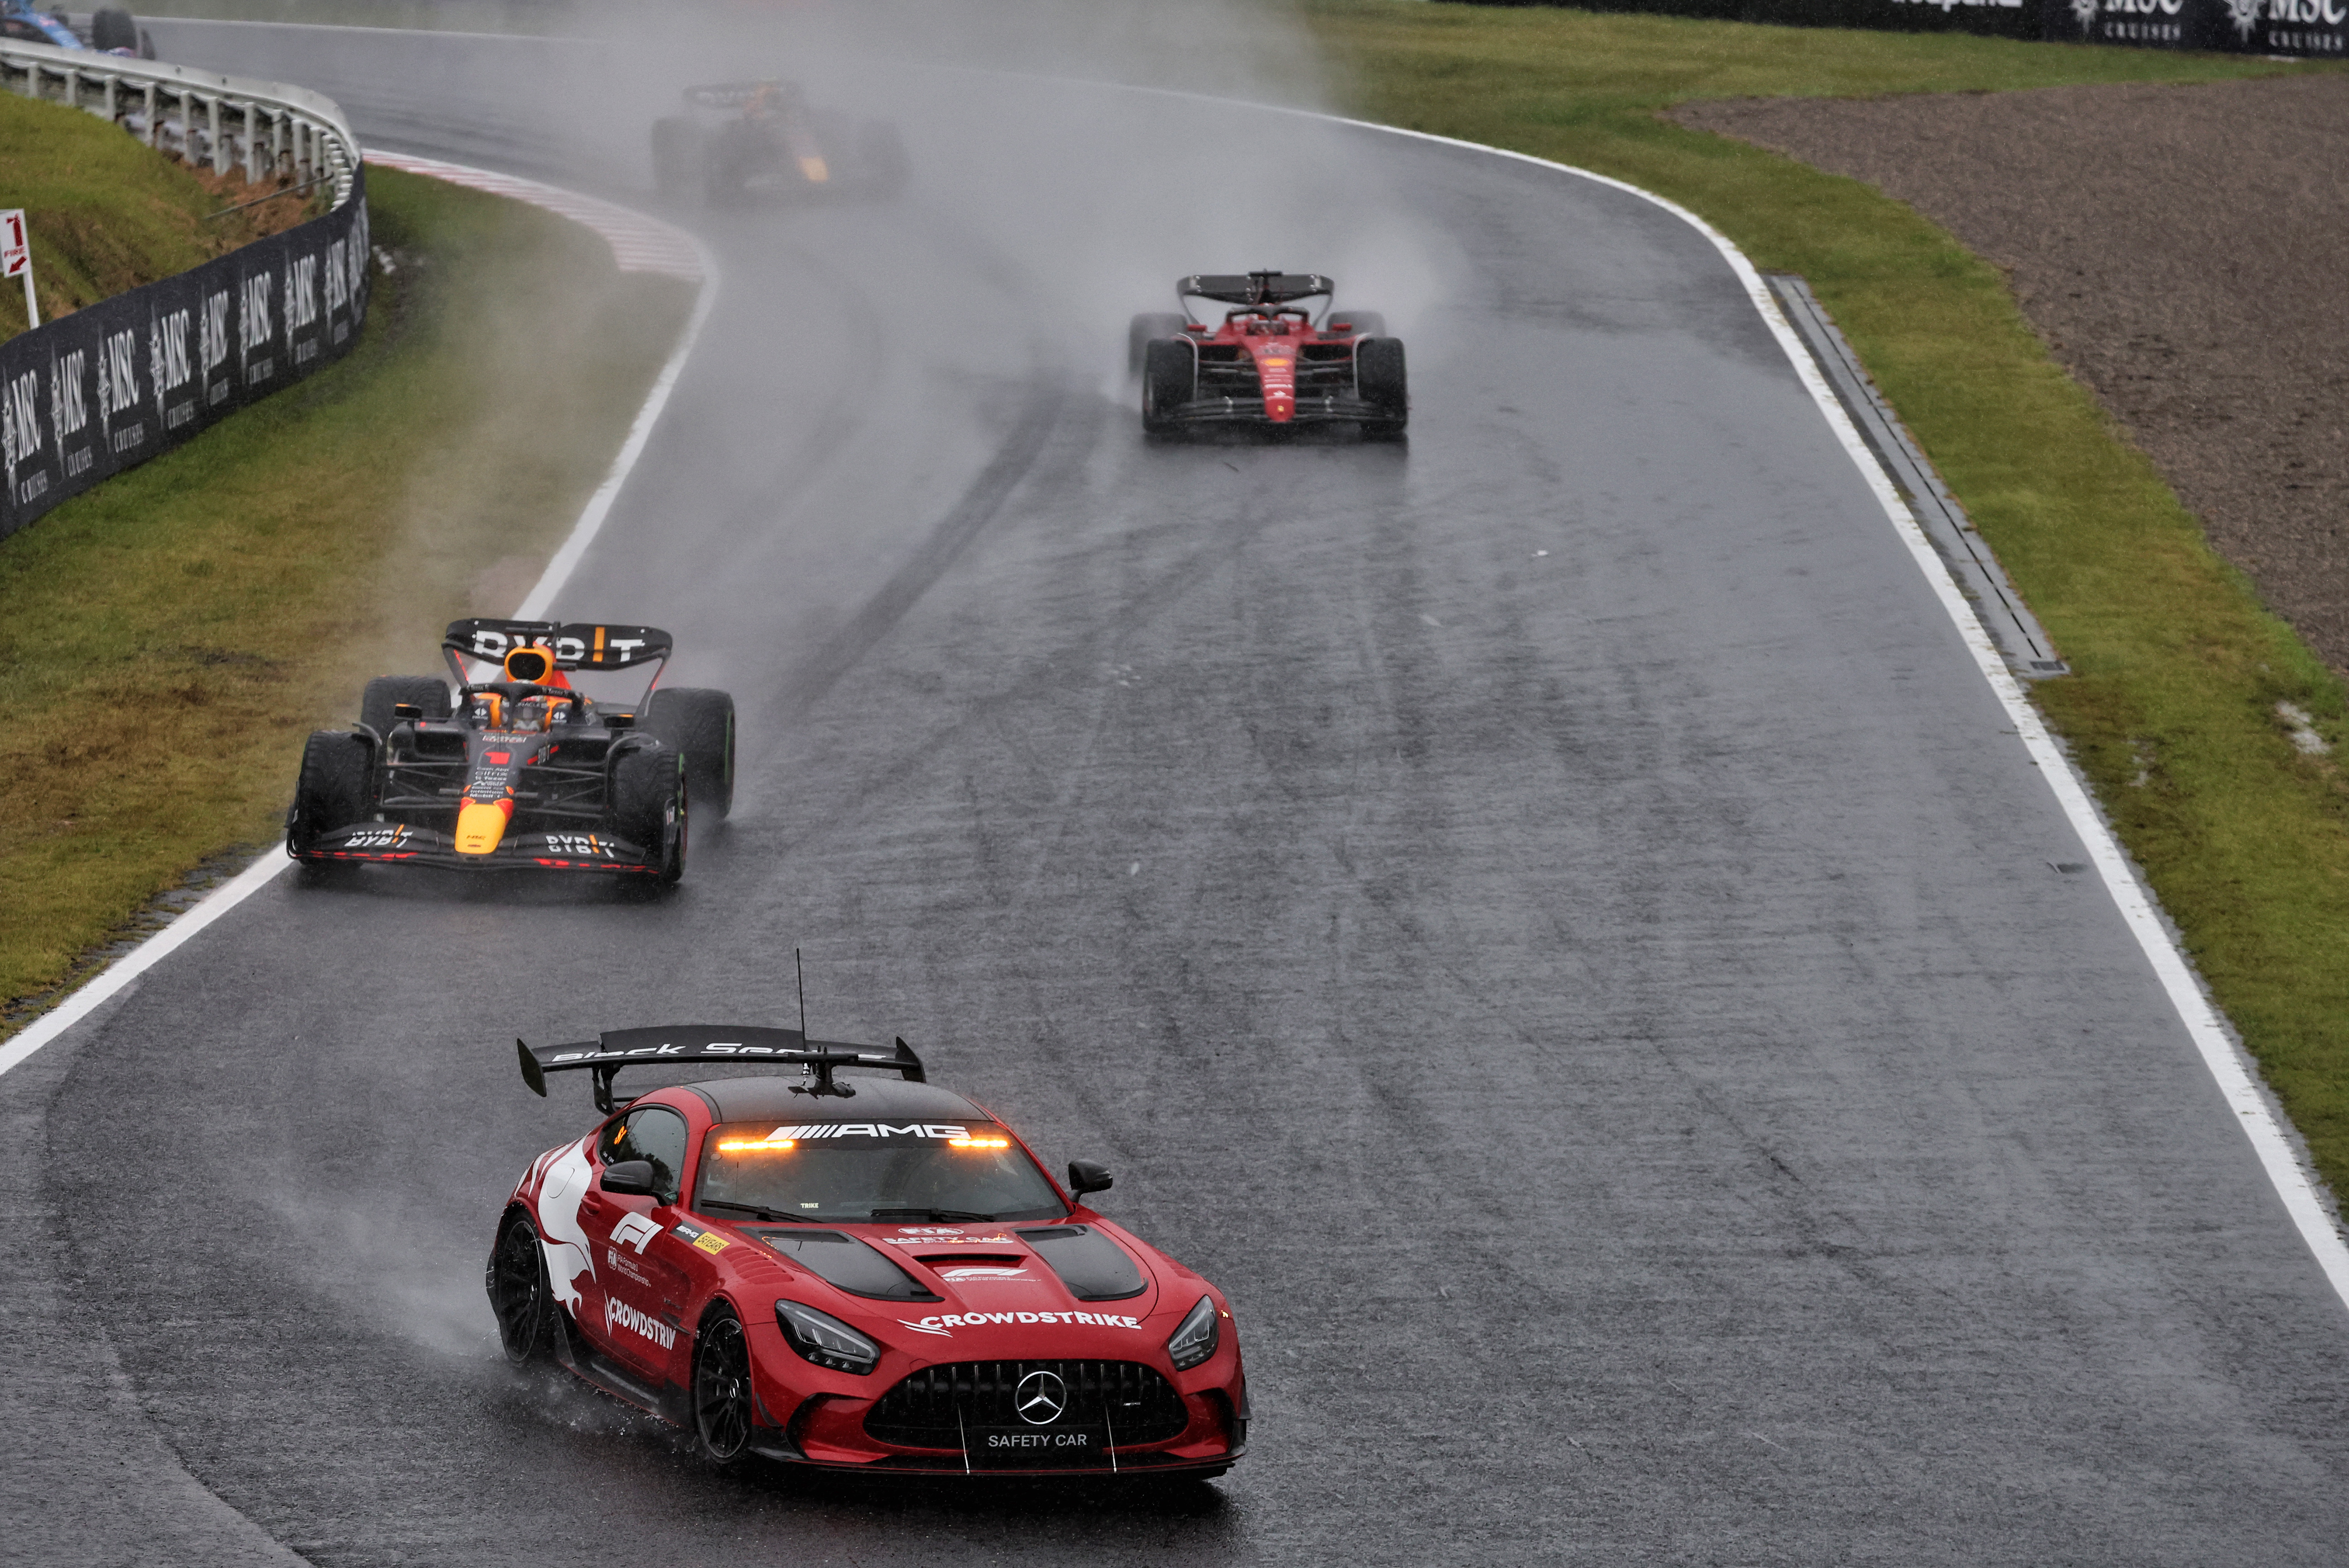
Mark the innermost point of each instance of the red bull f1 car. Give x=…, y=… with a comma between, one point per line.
x=1273, y=362
x=523, y=770
x=740, y=139
x=863, y=1273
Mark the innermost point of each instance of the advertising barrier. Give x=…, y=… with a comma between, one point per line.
x=110, y=385
x=2316, y=28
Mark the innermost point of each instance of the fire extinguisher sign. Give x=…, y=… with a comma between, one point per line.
x=15, y=250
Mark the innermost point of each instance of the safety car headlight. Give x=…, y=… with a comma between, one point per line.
x=826, y=1341
x=1194, y=1340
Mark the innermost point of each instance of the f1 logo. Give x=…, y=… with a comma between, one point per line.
x=634, y=1230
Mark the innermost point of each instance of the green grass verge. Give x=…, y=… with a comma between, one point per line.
x=106, y=212
x=170, y=638
x=2172, y=710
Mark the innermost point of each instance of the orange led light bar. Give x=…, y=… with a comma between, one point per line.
x=737, y=1144
x=979, y=1143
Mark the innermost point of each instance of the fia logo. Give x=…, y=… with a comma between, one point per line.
x=634, y=1230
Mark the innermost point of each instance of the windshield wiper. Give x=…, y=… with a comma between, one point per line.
x=754, y=1209
x=933, y=1214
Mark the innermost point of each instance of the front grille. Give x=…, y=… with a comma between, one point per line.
x=932, y=1408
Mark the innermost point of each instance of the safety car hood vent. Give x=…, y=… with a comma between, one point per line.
x=1092, y=1267
x=846, y=1263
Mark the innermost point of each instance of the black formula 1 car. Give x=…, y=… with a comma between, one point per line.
x=524, y=771
x=865, y=1274
x=1270, y=363
x=765, y=138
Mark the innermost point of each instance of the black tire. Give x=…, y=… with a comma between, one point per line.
x=1380, y=378
x=1160, y=323
x=113, y=28
x=700, y=723
x=332, y=791
x=680, y=162
x=1360, y=323
x=386, y=692
x=648, y=806
x=520, y=1293
x=722, y=1410
x=1170, y=376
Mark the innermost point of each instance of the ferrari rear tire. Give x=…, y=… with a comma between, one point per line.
x=721, y=1388
x=1170, y=375
x=699, y=723
x=648, y=805
x=1158, y=324
x=520, y=1293
x=386, y=692
x=1381, y=380
x=332, y=791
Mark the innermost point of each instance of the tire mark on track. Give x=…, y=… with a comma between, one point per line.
x=954, y=533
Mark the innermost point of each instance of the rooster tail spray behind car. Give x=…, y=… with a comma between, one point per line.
x=867, y=1273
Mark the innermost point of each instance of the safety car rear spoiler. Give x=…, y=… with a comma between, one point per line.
x=662, y=1043
x=1255, y=287
x=583, y=645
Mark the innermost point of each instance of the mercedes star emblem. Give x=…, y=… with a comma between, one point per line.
x=1040, y=1397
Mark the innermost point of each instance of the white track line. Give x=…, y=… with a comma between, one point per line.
x=111, y=982
x=2238, y=1084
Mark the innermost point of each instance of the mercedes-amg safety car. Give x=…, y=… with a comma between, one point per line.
x=525, y=771
x=764, y=137
x=860, y=1273
x=1272, y=361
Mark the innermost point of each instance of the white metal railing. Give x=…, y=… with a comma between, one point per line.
x=269, y=127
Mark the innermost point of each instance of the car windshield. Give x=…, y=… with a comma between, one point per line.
x=845, y=1172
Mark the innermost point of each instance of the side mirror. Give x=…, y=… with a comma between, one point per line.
x=633, y=1178
x=1085, y=1176
x=406, y=710
x=619, y=721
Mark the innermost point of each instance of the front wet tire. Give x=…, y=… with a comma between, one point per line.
x=520, y=1293
x=721, y=1388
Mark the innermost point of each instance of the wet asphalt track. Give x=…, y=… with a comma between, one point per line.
x=1610, y=1018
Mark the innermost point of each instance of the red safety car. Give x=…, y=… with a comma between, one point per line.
x=862, y=1272
x=1272, y=362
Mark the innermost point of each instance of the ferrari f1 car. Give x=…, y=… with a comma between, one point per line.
x=523, y=770
x=764, y=137
x=1271, y=362
x=866, y=1273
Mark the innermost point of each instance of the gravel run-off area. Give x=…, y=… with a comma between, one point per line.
x=2181, y=249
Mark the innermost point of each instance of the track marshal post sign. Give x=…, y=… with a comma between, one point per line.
x=16, y=259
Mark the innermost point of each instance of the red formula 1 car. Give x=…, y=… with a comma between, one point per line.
x=1270, y=363
x=527, y=772
x=865, y=1273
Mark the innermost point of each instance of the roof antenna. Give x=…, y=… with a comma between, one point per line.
x=820, y=1060
x=800, y=970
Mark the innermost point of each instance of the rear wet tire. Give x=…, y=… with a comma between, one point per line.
x=385, y=692
x=721, y=1388
x=113, y=28
x=520, y=1293
x=1138, y=336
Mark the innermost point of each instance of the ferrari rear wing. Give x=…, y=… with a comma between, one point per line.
x=1254, y=287
x=661, y=1044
